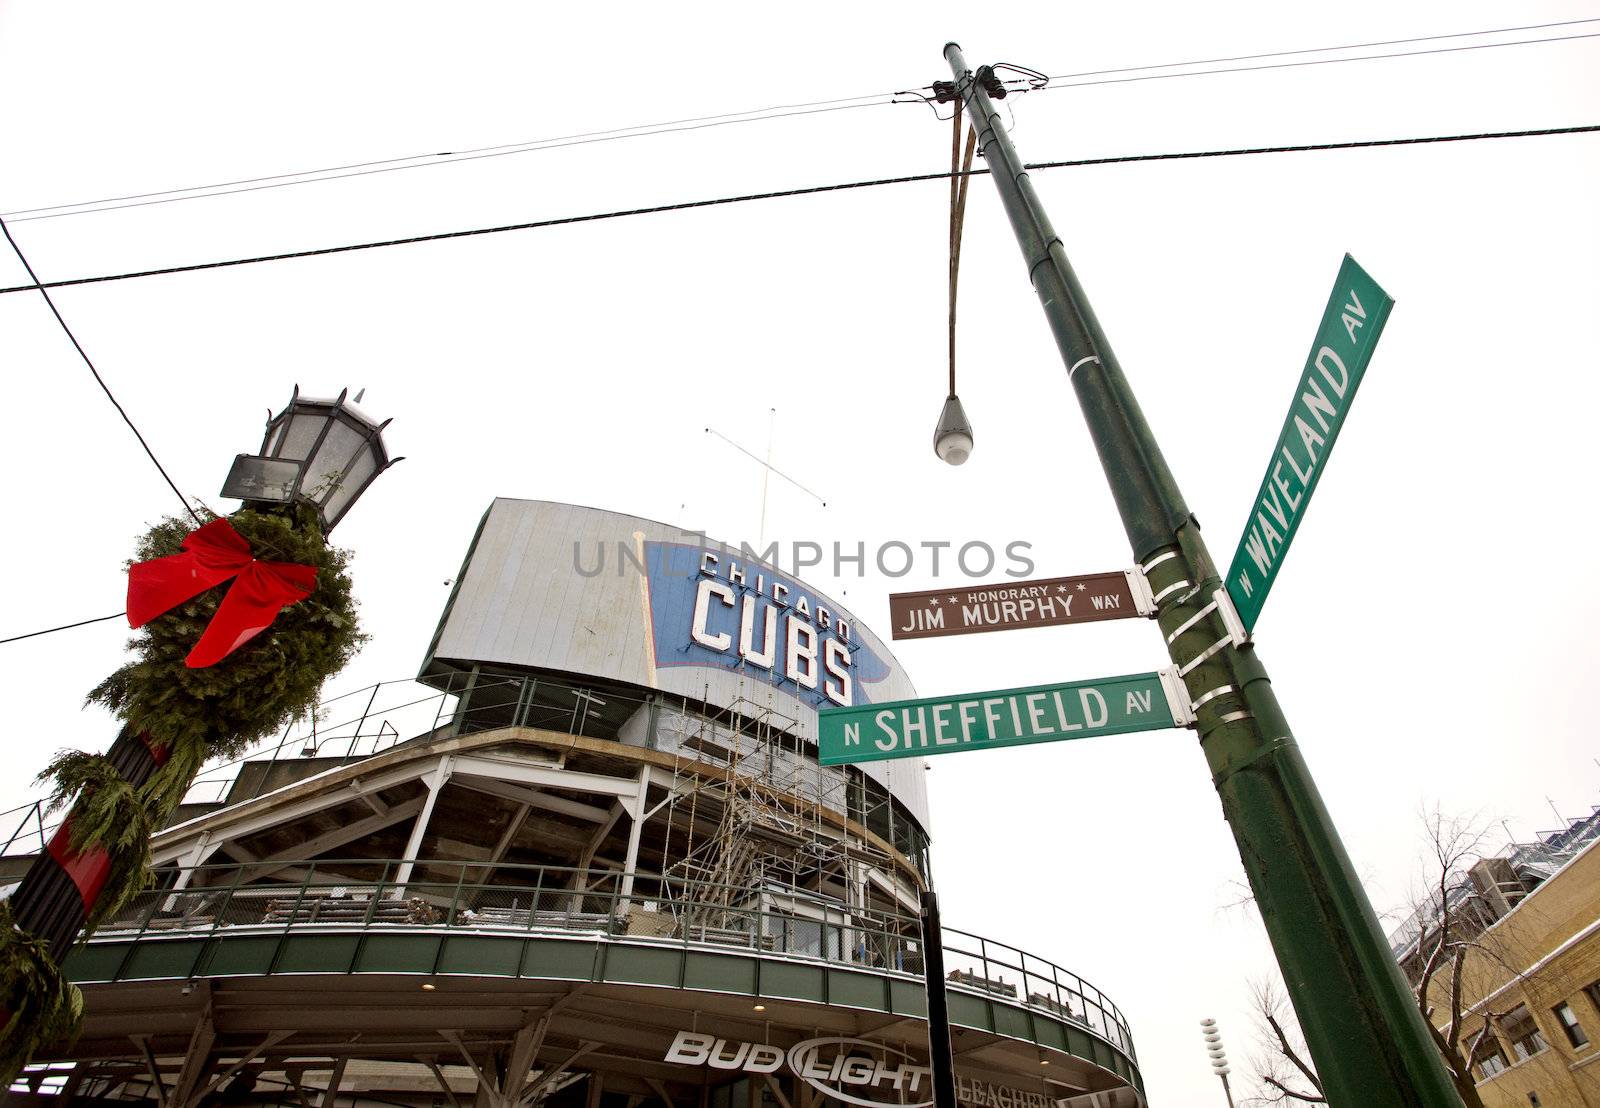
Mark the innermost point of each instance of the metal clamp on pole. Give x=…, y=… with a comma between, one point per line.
x=1144, y=600
x=1183, y=711
x=1230, y=617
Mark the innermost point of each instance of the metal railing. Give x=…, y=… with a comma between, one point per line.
x=353, y=725
x=281, y=896
x=370, y=720
x=356, y=725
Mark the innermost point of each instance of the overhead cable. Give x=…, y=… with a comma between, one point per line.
x=63, y=627
x=778, y=111
x=810, y=190
x=78, y=346
x=1310, y=61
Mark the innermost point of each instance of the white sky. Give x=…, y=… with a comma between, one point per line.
x=1428, y=637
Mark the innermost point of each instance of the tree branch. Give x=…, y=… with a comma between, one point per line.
x=1289, y=1052
x=1309, y=1098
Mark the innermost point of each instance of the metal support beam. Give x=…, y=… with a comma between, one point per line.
x=484, y=1081
x=336, y=837
x=246, y=818
x=502, y=769
x=221, y=1079
x=586, y=858
x=553, y=1072
x=295, y=1075
x=330, y=1095
x=524, y=1049
x=503, y=844
x=523, y=794
x=436, y=781
x=438, y=1075
x=195, y=1059
x=195, y=857
x=143, y=1042
x=630, y=864
x=777, y=1091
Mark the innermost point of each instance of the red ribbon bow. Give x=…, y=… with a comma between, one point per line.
x=211, y=555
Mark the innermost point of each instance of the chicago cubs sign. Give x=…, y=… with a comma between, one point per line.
x=710, y=607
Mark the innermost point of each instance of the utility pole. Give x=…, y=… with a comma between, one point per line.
x=1366, y=1036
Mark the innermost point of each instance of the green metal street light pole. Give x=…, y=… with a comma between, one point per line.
x=1369, y=1042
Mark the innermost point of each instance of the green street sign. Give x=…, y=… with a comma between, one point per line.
x=1010, y=717
x=1351, y=324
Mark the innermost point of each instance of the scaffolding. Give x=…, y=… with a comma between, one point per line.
x=741, y=769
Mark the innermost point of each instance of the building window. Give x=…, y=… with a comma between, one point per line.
x=1522, y=1032
x=1592, y=990
x=1488, y=1056
x=1569, y=1023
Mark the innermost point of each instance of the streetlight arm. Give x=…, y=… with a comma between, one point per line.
x=1147, y=497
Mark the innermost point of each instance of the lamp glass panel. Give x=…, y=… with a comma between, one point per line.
x=301, y=434
x=323, y=471
x=353, y=483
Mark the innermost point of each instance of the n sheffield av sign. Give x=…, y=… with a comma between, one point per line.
x=1351, y=324
x=1010, y=717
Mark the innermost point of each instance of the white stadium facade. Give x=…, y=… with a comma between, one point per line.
x=587, y=859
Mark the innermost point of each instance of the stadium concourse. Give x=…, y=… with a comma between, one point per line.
x=587, y=858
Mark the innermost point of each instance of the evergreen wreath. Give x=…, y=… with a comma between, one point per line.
x=193, y=715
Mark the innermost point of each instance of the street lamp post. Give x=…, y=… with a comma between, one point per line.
x=320, y=454
x=1369, y=1042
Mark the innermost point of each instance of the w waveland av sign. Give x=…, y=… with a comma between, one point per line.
x=1010, y=717
x=1351, y=324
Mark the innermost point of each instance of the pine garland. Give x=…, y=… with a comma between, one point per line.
x=108, y=815
x=194, y=714
x=42, y=1005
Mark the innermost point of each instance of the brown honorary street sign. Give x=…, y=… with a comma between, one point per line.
x=1048, y=602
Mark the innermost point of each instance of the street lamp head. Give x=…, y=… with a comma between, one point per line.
x=321, y=453
x=952, y=438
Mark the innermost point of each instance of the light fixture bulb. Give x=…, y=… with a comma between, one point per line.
x=952, y=437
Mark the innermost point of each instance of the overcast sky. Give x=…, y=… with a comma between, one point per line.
x=1429, y=636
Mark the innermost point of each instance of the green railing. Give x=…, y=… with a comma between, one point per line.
x=650, y=908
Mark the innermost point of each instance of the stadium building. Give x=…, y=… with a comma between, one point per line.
x=587, y=859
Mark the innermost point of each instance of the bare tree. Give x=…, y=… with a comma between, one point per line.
x=1449, y=920
x=1282, y=1065
x=1445, y=927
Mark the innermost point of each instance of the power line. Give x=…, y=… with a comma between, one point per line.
x=781, y=194
x=63, y=627
x=1315, y=61
x=366, y=169
x=88, y=362
x=778, y=111
x=1327, y=49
